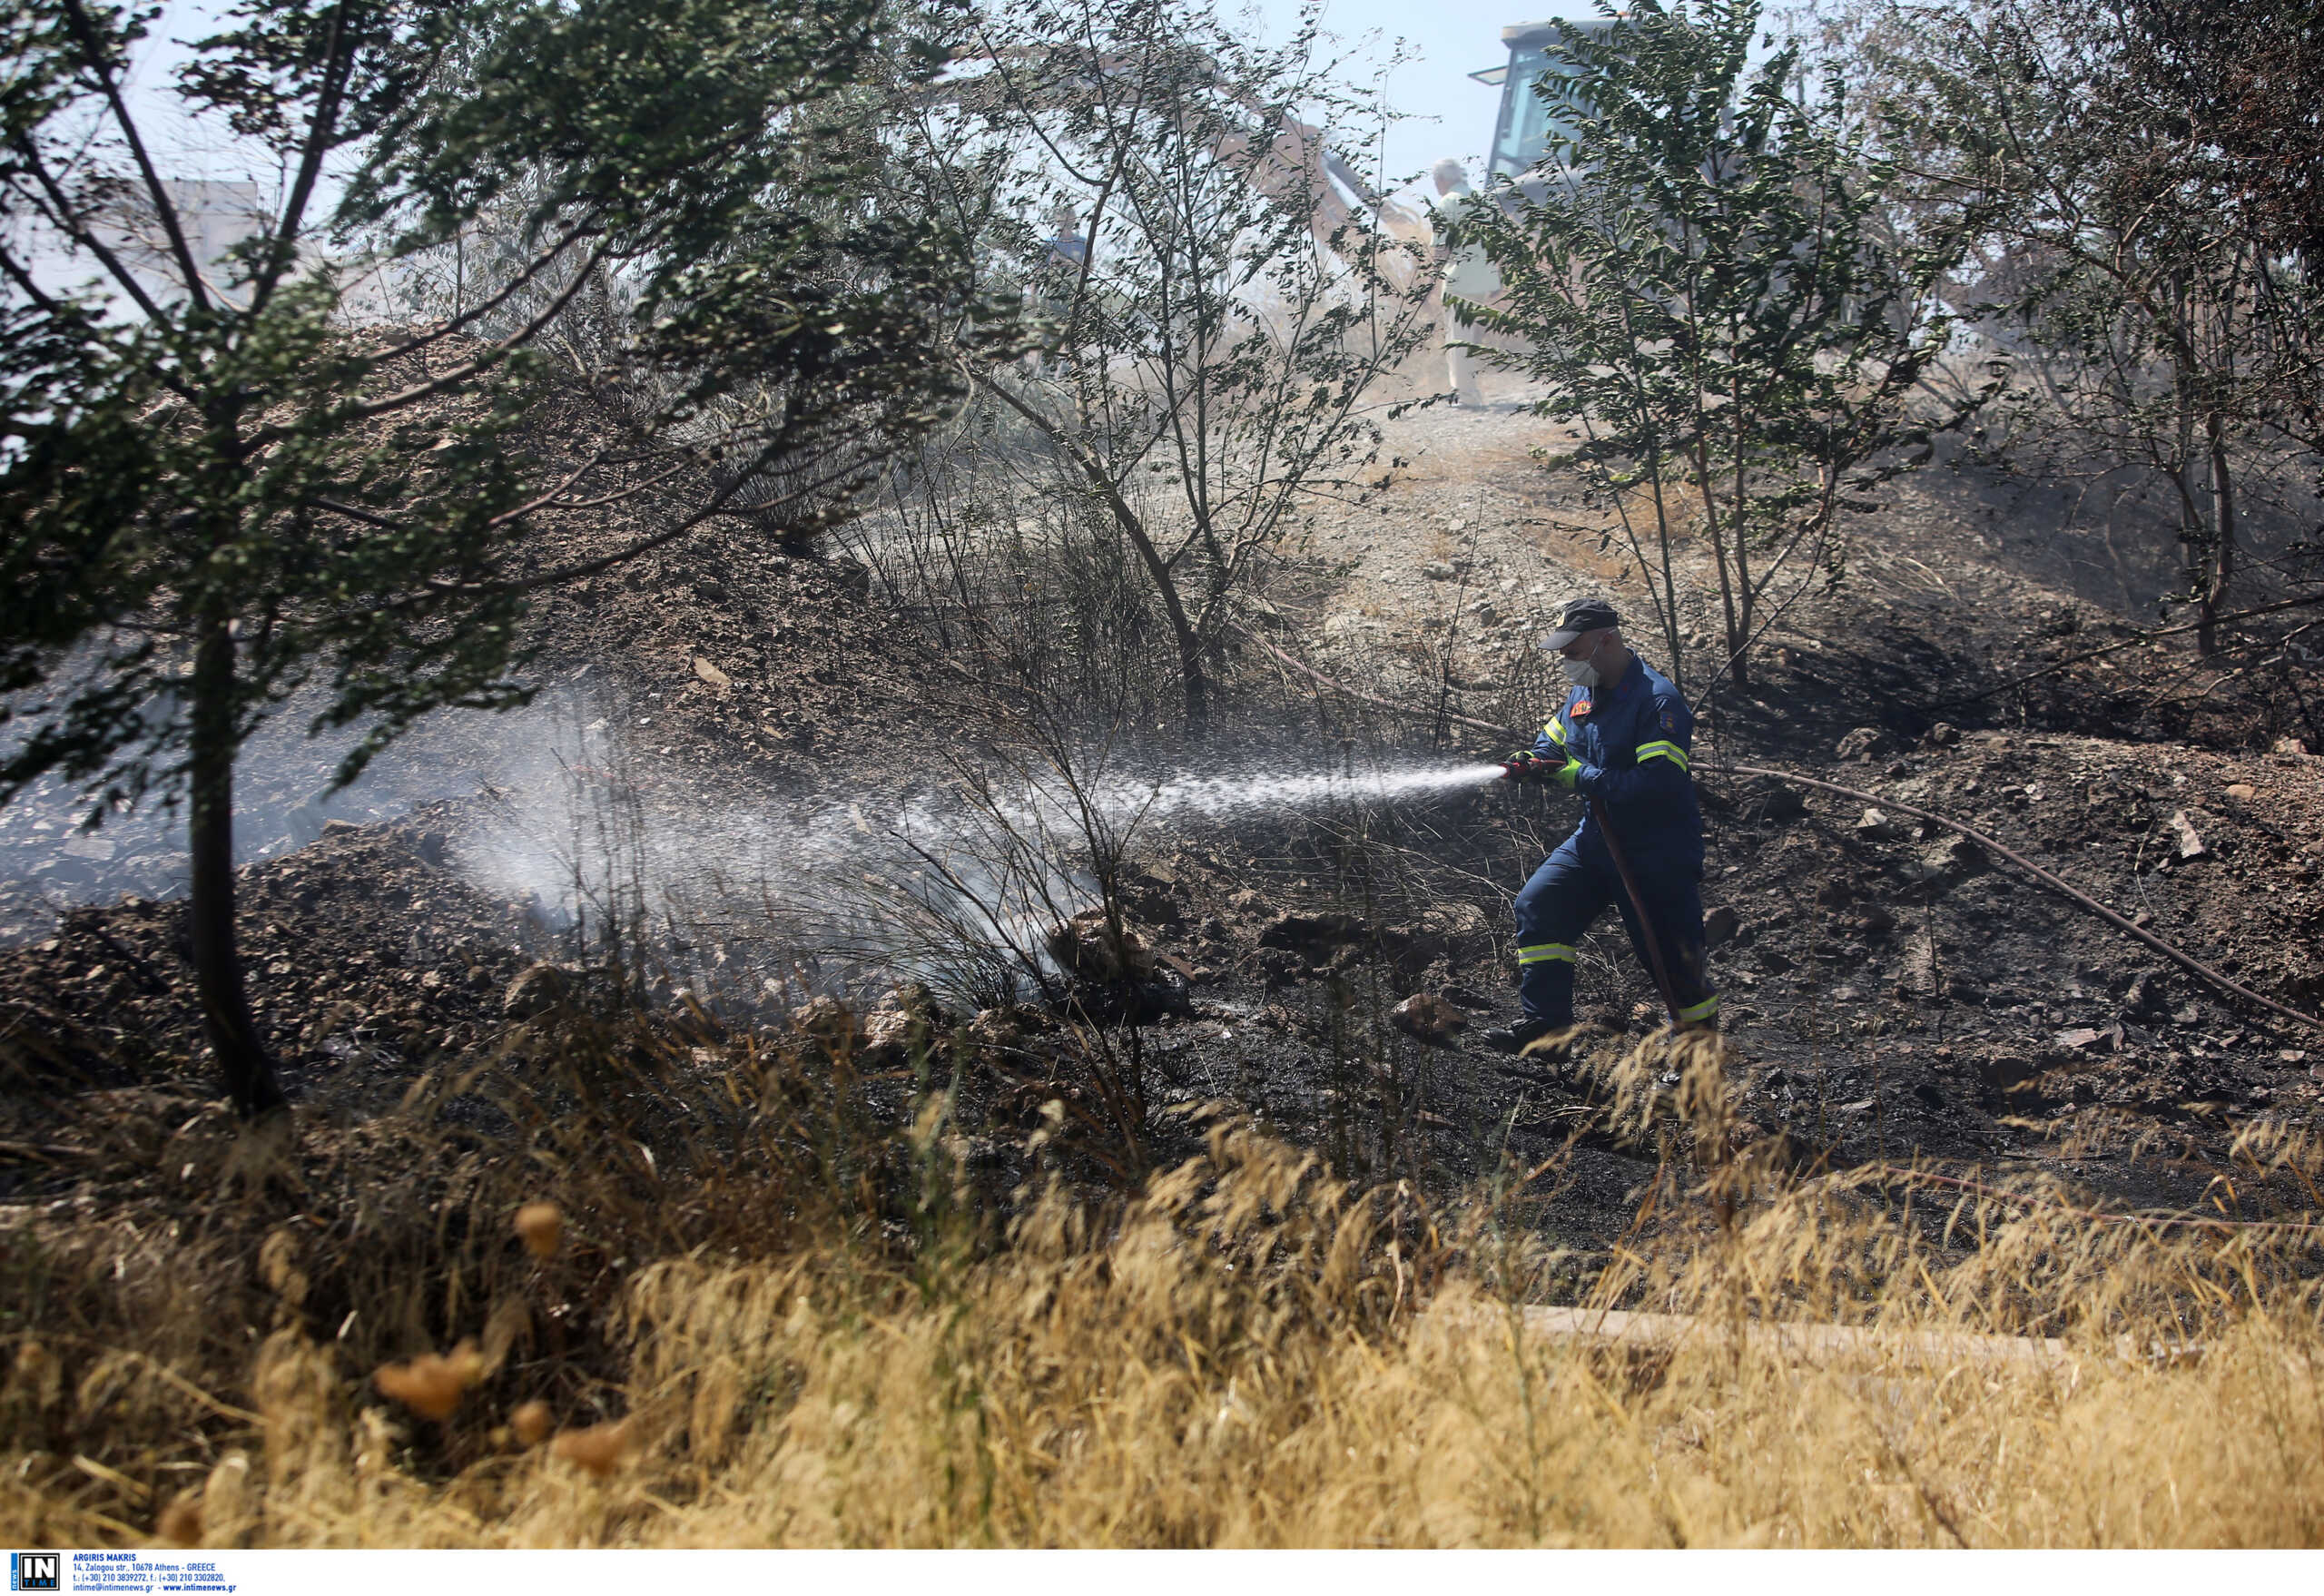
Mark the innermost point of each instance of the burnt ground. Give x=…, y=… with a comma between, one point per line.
x=1891, y=992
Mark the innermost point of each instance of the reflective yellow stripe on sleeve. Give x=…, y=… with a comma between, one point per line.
x=1670, y=751
x=1543, y=952
x=1555, y=731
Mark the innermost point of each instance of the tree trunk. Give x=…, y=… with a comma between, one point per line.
x=1195, y=686
x=2224, y=531
x=1669, y=583
x=1738, y=646
x=1736, y=672
x=243, y=1059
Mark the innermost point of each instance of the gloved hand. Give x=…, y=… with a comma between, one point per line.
x=1564, y=775
x=1522, y=766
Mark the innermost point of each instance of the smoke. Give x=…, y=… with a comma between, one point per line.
x=827, y=882
x=837, y=887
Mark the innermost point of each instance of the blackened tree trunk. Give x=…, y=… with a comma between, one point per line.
x=243, y=1059
x=2223, y=532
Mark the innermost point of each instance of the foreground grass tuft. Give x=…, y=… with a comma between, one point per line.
x=768, y=1325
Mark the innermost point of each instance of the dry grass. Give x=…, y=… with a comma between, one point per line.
x=825, y=1337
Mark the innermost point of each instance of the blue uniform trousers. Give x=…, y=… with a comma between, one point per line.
x=1571, y=890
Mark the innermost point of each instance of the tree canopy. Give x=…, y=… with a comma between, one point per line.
x=1708, y=276
x=226, y=480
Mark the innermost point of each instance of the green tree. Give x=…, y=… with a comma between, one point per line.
x=1709, y=277
x=1215, y=297
x=219, y=485
x=2148, y=175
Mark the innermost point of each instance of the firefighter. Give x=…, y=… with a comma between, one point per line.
x=1621, y=740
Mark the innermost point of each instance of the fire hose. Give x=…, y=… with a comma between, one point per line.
x=1647, y=939
x=2046, y=879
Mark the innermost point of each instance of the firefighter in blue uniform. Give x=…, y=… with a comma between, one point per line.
x=1621, y=738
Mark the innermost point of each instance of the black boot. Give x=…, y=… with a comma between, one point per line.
x=1512, y=1039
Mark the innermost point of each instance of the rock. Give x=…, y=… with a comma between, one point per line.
x=1877, y=825
x=1303, y=933
x=1003, y=1030
x=2191, y=842
x=1134, y=999
x=911, y=997
x=2142, y=998
x=89, y=845
x=890, y=1037
x=1941, y=735
x=1427, y=1018
x=1437, y=571
x=1087, y=946
x=1860, y=745
x=1457, y=920
x=831, y=1022
x=2290, y=750
x=1152, y=892
x=711, y=673
x=2241, y=792
x=1950, y=859
x=1720, y=925
x=1153, y=873
x=2084, y=1037
x=1781, y=803
x=536, y=991
x=2002, y=1074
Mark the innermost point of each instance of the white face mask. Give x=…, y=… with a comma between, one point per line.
x=1580, y=672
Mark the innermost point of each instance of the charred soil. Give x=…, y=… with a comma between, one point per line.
x=1893, y=993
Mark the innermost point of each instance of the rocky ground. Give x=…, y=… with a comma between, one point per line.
x=1893, y=990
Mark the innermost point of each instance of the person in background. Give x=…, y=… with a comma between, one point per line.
x=1468, y=276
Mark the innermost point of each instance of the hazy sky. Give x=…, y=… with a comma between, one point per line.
x=1449, y=38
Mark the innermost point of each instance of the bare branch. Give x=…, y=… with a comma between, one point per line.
x=66, y=221
x=282, y=243
x=92, y=52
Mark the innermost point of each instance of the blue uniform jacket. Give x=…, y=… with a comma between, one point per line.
x=1632, y=739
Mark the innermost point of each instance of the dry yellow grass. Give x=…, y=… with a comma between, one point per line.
x=1249, y=1353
